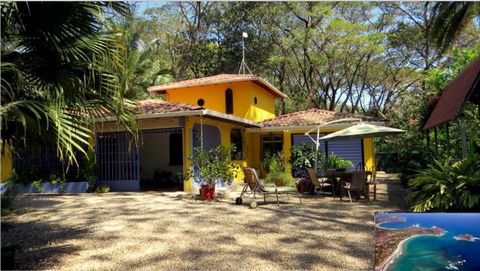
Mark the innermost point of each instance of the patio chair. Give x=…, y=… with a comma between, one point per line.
x=320, y=183
x=256, y=187
x=357, y=185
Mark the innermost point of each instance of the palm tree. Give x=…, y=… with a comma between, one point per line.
x=449, y=20
x=141, y=66
x=53, y=73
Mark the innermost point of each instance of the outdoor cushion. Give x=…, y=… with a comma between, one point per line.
x=286, y=189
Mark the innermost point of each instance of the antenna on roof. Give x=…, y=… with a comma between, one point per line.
x=243, y=65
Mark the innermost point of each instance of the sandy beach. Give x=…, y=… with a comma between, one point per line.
x=399, y=250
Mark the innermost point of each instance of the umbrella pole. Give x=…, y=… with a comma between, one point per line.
x=316, y=149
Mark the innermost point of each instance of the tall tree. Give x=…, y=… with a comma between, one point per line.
x=450, y=19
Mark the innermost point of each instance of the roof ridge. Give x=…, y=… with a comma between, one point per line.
x=222, y=78
x=311, y=116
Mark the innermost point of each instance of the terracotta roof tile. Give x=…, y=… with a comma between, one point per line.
x=152, y=106
x=312, y=116
x=217, y=79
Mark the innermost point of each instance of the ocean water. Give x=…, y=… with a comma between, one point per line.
x=438, y=253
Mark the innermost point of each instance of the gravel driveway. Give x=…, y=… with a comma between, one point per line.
x=152, y=231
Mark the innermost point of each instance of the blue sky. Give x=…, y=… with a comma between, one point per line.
x=143, y=5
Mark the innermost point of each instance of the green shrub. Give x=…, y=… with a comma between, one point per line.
x=87, y=169
x=37, y=185
x=104, y=188
x=303, y=156
x=55, y=180
x=445, y=187
x=284, y=178
x=213, y=165
x=334, y=161
x=273, y=162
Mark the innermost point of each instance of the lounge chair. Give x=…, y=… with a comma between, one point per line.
x=256, y=187
x=357, y=185
x=320, y=183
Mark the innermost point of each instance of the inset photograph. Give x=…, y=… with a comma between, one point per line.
x=427, y=241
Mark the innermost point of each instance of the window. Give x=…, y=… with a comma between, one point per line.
x=176, y=149
x=271, y=144
x=229, y=101
x=236, y=139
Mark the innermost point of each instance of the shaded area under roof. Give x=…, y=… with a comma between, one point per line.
x=466, y=86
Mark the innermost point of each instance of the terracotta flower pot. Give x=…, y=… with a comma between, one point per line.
x=207, y=192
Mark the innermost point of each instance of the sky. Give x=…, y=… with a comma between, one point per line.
x=143, y=5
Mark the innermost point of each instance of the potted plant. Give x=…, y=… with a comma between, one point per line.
x=303, y=156
x=335, y=162
x=212, y=166
x=273, y=162
x=280, y=179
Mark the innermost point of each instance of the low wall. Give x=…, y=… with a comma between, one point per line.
x=48, y=187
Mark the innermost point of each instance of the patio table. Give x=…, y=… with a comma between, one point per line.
x=340, y=177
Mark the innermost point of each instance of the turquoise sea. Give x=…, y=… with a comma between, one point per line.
x=438, y=253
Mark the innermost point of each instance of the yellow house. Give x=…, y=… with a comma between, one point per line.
x=225, y=109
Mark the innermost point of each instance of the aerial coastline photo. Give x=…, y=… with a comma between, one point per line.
x=427, y=241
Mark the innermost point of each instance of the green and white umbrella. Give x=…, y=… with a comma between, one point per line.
x=362, y=130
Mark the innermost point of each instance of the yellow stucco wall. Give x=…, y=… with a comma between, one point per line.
x=6, y=165
x=225, y=129
x=244, y=94
x=255, y=155
x=369, y=153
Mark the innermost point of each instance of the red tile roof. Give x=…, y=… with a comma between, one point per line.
x=466, y=85
x=217, y=79
x=153, y=106
x=312, y=116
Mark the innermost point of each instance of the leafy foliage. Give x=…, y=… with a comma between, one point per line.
x=214, y=165
x=282, y=178
x=445, y=187
x=54, y=74
x=451, y=18
x=273, y=162
x=104, y=188
x=334, y=161
x=303, y=156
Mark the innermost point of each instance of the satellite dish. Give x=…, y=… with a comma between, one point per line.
x=245, y=34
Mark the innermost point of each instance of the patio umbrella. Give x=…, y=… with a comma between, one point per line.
x=362, y=130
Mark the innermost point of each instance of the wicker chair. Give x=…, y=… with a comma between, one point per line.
x=357, y=185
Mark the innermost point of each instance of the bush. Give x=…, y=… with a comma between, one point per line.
x=334, y=161
x=103, y=189
x=284, y=179
x=445, y=187
x=37, y=185
x=273, y=162
x=303, y=156
x=213, y=165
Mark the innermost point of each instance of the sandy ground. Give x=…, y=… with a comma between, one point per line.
x=153, y=230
